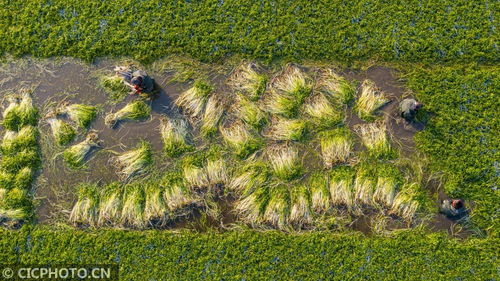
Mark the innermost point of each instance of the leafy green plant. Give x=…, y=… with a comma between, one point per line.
x=282, y=104
x=342, y=186
x=388, y=185
x=249, y=178
x=24, y=158
x=277, y=210
x=155, y=209
x=136, y=110
x=81, y=114
x=196, y=177
x=241, y=140
x=11, y=119
x=85, y=210
x=289, y=90
x=404, y=203
x=193, y=100
x=20, y=112
x=13, y=214
x=133, y=207
x=301, y=213
x=337, y=87
x=285, y=162
x=211, y=117
x=77, y=154
x=320, y=193
x=252, y=207
x=246, y=79
x=217, y=172
x=175, y=136
x=20, y=160
x=374, y=137
x=288, y=129
x=365, y=183
x=336, y=146
x=115, y=88
x=323, y=112
x=135, y=161
x=250, y=113
x=24, y=178
x=176, y=194
x=294, y=83
x=62, y=131
x=110, y=204
x=26, y=138
x=369, y=100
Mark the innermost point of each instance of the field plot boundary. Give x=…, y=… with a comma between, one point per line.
x=345, y=31
x=257, y=255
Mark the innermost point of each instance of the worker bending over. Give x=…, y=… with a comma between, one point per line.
x=409, y=108
x=139, y=81
x=453, y=208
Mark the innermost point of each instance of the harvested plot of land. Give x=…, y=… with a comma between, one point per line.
x=288, y=147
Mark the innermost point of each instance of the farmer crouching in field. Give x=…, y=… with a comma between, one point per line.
x=453, y=208
x=139, y=81
x=409, y=108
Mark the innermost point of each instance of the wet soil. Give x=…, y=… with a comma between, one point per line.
x=75, y=82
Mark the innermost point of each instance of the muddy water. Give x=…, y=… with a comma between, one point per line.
x=76, y=82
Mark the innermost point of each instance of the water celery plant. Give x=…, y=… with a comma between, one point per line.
x=288, y=93
x=336, y=146
x=136, y=110
x=369, y=100
x=81, y=114
x=337, y=87
x=132, y=214
x=320, y=193
x=13, y=141
x=248, y=80
x=20, y=112
x=86, y=208
x=241, y=140
x=77, y=154
x=342, y=187
x=175, y=136
x=213, y=113
x=375, y=139
x=135, y=161
x=288, y=129
x=110, y=204
x=285, y=162
x=62, y=131
x=194, y=99
x=249, y=112
x=323, y=112
x=113, y=85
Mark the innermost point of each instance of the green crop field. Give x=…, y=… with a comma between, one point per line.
x=432, y=31
x=247, y=255
x=240, y=172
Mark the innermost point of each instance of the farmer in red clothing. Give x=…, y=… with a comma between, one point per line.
x=453, y=208
x=138, y=80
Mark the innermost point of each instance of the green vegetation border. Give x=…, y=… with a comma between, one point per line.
x=345, y=31
x=248, y=255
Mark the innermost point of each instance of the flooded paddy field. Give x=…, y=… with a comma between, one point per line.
x=54, y=81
